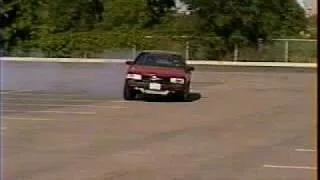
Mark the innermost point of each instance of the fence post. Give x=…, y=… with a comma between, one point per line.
x=286, y=51
x=235, y=53
x=260, y=45
x=187, y=50
x=134, y=51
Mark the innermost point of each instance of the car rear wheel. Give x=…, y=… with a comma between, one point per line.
x=128, y=92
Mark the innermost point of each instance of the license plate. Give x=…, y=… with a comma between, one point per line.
x=155, y=86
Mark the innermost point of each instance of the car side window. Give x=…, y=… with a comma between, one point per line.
x=178, y=60
x=140, y=58
x=144, y=59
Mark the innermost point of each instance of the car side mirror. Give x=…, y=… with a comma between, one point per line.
x=190, y=68
x=129, y=62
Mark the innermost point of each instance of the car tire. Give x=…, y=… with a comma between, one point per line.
x=128, y=93
x=185, y=95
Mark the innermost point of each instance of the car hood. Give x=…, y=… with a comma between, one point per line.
x=155, y=70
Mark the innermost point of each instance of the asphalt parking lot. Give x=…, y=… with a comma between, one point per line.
x=68, y=121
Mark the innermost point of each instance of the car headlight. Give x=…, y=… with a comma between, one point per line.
x=134, y=76
x=177, y=80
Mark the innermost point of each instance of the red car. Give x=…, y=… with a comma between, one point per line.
x=158, y=73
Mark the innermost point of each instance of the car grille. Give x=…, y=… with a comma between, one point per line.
x=162, y=80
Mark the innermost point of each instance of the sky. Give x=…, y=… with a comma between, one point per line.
x=180, y=5
x=301, y=2
x=304, y=3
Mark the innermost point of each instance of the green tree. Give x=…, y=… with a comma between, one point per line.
x=53, y=23
x=159, y=8
x=312, y=26
x=243, y=22
x=124, y=14
x=23, y=20
x=73, y=15
x=18, y=20
x=251, y=18
x=137, y=14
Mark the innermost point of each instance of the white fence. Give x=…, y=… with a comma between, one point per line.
x=277, y=50
x=197, y=48
x=191, y=62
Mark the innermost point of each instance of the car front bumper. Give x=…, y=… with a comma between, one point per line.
x=165, y=88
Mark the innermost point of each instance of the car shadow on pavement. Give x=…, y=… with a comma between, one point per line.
x=193, y=96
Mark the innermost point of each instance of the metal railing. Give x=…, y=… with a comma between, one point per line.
x=277, y=50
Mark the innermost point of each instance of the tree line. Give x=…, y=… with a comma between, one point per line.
x=64, y=28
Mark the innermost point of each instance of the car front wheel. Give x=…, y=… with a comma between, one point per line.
x=184, y=96
x=128, y=92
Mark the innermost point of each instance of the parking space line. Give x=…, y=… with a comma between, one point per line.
x=119, y=101
x=55, y=112
x=51, y=99
x=290, y=167
x=46, y=94
x=306, y=150
x=58, y=105
x=118, y=107
x=12, y=91
x=25, y=118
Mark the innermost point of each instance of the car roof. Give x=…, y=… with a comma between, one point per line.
x=161, y=52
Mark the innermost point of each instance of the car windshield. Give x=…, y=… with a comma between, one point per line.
x=158, y=59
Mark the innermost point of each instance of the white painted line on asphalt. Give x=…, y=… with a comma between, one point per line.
x=118, y=107
x=46, y=94
x=120, y=101
x=55, y=112
x=290, y=167
x=11, y=91
x=45, y=105
x=58, y=105
x=306, y=150
x=195, y=90
x=25, y=118
x=50, y=99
